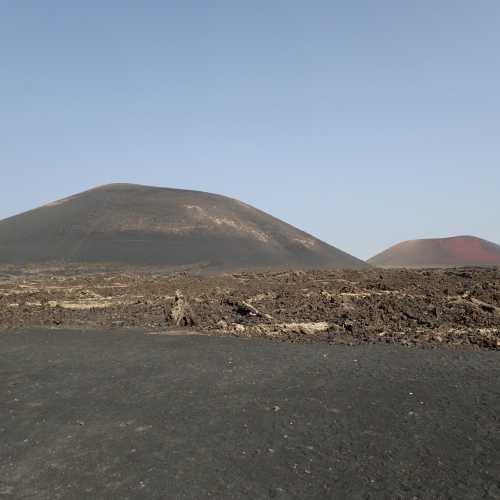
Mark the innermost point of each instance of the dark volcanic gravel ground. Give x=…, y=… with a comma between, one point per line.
x=127, y=415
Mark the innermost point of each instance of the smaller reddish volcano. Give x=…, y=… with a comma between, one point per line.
x=440, y=252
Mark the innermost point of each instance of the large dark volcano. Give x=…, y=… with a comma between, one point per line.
x=139, y=225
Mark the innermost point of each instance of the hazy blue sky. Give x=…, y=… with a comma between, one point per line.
x=362, y=122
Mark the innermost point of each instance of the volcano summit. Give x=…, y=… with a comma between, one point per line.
x=140, y=225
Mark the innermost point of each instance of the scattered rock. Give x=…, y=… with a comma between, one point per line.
x=408, y=307
x=245, y=309
x=181, y=313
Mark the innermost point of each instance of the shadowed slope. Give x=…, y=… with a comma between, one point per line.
x=139, y=225
x=440, y=252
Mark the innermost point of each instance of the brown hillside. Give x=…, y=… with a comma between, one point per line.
x=457, y=251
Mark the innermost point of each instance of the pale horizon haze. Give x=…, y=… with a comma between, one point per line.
x=364, y=123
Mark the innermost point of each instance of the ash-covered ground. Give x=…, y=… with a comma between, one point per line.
x=409, y=307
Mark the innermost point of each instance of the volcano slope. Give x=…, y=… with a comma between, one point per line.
x=458, y=251
x=140, y=225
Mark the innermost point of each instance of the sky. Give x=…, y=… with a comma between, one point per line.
x=362, y=122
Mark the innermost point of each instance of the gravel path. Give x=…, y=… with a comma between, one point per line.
x=128, y=415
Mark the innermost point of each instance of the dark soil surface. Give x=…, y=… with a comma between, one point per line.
x=409, y=307
x=129, y=415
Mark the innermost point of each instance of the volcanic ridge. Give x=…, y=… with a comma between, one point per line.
x=457, y=251
x=150, y=226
